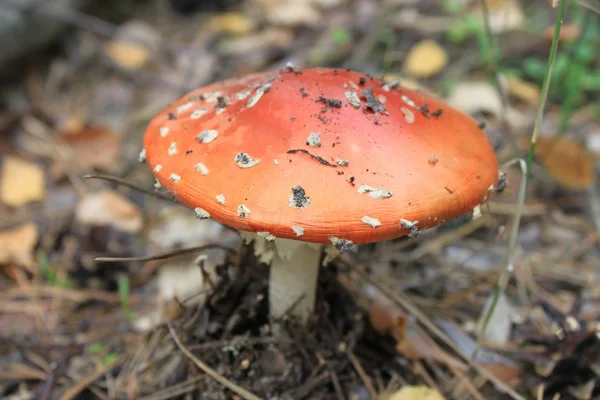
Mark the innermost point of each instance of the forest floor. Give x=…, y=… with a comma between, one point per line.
x=396, y=320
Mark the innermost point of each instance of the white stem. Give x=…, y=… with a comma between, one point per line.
x=293, y=282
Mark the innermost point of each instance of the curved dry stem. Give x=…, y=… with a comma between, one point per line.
x=122, y=182
x=167, y=255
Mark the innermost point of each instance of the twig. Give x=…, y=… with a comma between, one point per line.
x=588, y=4
x=166, y=255
x=336, y=385
x=130, y=185
x=211, y=372
x=89, y=379
x=363, y=375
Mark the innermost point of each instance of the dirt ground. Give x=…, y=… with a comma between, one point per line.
x=180, y=308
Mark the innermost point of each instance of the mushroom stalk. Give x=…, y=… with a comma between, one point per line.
x=293, y=275
x=293, y=282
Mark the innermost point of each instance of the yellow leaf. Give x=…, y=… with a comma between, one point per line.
x=425, y=59
x=233, y=23
x=21, y=182
x=416, y=393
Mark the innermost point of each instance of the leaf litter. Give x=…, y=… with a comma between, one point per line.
x=399, y=318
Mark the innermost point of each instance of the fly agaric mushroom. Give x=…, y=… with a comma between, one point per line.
x=298, y=160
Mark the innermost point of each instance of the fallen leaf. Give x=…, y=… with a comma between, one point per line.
x=420, y=392
x=90, y=147
x=232, y=23
x=133, y=45
x=21, y=182
x=566, y=161
x=525, y=91
x=178, y=226
x=109, y=208
x=416, y=345
x=17, y=244
x=266, y=39
x=568, y=32
x=292, y=13
x=386, y=318
x=425, y=59
x=480, y=96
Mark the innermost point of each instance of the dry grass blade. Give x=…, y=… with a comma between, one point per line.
x=593, y=5
x=508, y=261
x=546, y=85
x=89, y=379
x=211, y=372
x=130, y=185
x=498, y=78
x=166, y=255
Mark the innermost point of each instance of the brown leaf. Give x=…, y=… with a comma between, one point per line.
x=17, y=244
x=90, y=147
x=525, y=91
x=21, y=182
x=566, y=161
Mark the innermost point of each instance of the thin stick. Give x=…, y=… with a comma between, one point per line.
x=363, y=375
x=509, y=256
x=164, y=256
x=84, y=382
x=546, y=85
x=130, y=185
x=211, y=372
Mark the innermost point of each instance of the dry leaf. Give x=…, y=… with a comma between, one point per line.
x=568, y=32
x=386, y=318
x=268, y=38
x=91, y=147
x=425, y=59
x=292, y=13
x=178, y=226
x=568, y=162
x=416, y=393
x=233, y=23
x=21, y=182
x=133, y=46
x=525, y=91
x=109, y=208
x=17, y=244
x=480, y=96
x=415, y=345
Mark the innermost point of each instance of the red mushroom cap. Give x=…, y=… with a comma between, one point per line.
x=320, y=154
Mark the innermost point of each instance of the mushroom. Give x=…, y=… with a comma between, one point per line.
x=319, y=159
